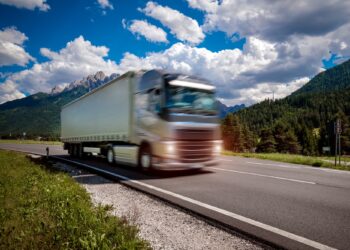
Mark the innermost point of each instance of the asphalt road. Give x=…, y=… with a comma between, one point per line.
x=286, y=199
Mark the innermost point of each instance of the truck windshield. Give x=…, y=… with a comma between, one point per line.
x=180, y=99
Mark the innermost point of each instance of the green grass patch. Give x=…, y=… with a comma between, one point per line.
x=45, y=209
x=331, y=158
x=290, y=158
x=31, y=142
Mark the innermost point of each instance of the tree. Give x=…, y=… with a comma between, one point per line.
x=280, y=131
x=249, y=140
x=237, y=135
x=267, y=142
x=227, y=132
x=286, y=140
x=306, y=139
x=232, y=133
x=291, y=143
x=345, y=133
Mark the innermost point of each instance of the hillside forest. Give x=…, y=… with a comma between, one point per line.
x=301, y=123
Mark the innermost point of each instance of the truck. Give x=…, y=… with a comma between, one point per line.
x=148, y=119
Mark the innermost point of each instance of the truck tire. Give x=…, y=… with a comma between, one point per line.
x=74, y=150
x=110, y=155
x=70, y=150
x=145, y=158
x=80, y=151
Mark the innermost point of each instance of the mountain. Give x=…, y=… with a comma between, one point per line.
x=307, y=115
x=224, y=110
x=90, y=82
x=39, y=114
x=334, y=79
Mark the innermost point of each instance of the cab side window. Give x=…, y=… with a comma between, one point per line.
x=154, y=101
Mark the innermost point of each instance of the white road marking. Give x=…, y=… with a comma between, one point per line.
x=263, y=175
x=267, y=164
x=271, y=164
x=83, y=175
x=255, y=223
x=336, y=171
x=304, y=167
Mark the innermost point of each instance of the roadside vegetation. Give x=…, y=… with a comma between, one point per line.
x=293, y=158
x=31, y=142
x=44, y=209
x=331, y=158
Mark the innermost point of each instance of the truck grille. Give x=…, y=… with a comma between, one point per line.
x=195, y=134
x=192, y=152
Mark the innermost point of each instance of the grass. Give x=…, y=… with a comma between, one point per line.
x=31, y=142
x=44, y=209
x=331, y=158
x=290, y=158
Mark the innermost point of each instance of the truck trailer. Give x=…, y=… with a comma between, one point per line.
x=150, y=119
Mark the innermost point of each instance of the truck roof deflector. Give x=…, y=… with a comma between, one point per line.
x=191, y=84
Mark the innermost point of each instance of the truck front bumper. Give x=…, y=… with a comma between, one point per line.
x=185, y=155
x=178, y=166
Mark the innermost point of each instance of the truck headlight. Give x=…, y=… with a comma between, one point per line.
x=170, y=148
x=217, y=147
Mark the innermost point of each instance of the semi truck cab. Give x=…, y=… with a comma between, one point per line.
x=176, y=121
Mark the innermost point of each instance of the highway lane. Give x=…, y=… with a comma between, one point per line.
x=310, y=202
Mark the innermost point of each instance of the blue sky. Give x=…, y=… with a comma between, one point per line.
x=52, y=29
x=238, y=46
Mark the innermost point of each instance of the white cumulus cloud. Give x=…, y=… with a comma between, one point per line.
x=12, y=51
x=263, y=91
x=151, y=32
x=183, y=27
x=205, y=5
x=105, y=4
x=9, y=91
x=78, y=59
x=27, y=4
x=302, y=33
x=274, y=20
x=291, y=24
x=226, y=69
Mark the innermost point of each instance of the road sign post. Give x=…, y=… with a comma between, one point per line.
x=337, y=148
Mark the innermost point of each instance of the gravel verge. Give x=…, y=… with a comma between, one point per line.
x=162, y=224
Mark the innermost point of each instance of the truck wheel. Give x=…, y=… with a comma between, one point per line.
x=145, y=159
x=81, y=153
x=110, y=156
x=74, y=150
x=70, y=151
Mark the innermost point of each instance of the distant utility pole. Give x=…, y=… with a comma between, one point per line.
x=273, y=94
x=337, y=149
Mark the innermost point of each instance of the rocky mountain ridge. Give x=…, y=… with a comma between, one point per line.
x=90, y=82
